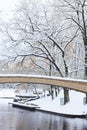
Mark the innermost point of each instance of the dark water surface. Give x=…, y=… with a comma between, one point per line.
x=18, y=119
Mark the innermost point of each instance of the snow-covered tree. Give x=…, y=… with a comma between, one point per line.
x=35, y=32
x=75, y=11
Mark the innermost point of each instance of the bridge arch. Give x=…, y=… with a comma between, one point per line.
x=75, y=84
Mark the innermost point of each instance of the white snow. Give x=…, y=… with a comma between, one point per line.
x=74, y=107
x=7, y=93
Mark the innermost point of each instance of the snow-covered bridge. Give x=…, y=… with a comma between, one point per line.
x=80, y=85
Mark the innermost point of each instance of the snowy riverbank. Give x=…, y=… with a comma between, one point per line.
x=74, y=107
x=7, y=93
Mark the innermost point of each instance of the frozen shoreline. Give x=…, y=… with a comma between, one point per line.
x=74, y=107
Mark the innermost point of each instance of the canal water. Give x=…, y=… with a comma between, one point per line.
x=18, y=119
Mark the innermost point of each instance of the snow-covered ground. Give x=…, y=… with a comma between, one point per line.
x=74, y=107
x=7, y=93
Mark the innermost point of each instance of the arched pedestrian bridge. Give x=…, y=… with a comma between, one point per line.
x=79, y=85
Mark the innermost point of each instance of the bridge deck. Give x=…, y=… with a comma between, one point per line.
x=80, y=85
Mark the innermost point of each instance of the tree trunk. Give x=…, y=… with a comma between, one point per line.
x=85, y=74
x=66, y=95
x=66, y=91
x=56, y=92
x=51, y=86
x=52, y=94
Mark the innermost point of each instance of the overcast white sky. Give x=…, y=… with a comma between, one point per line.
x=7, y=4
x=6, y=7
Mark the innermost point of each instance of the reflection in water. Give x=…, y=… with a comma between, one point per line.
x=18, y=119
